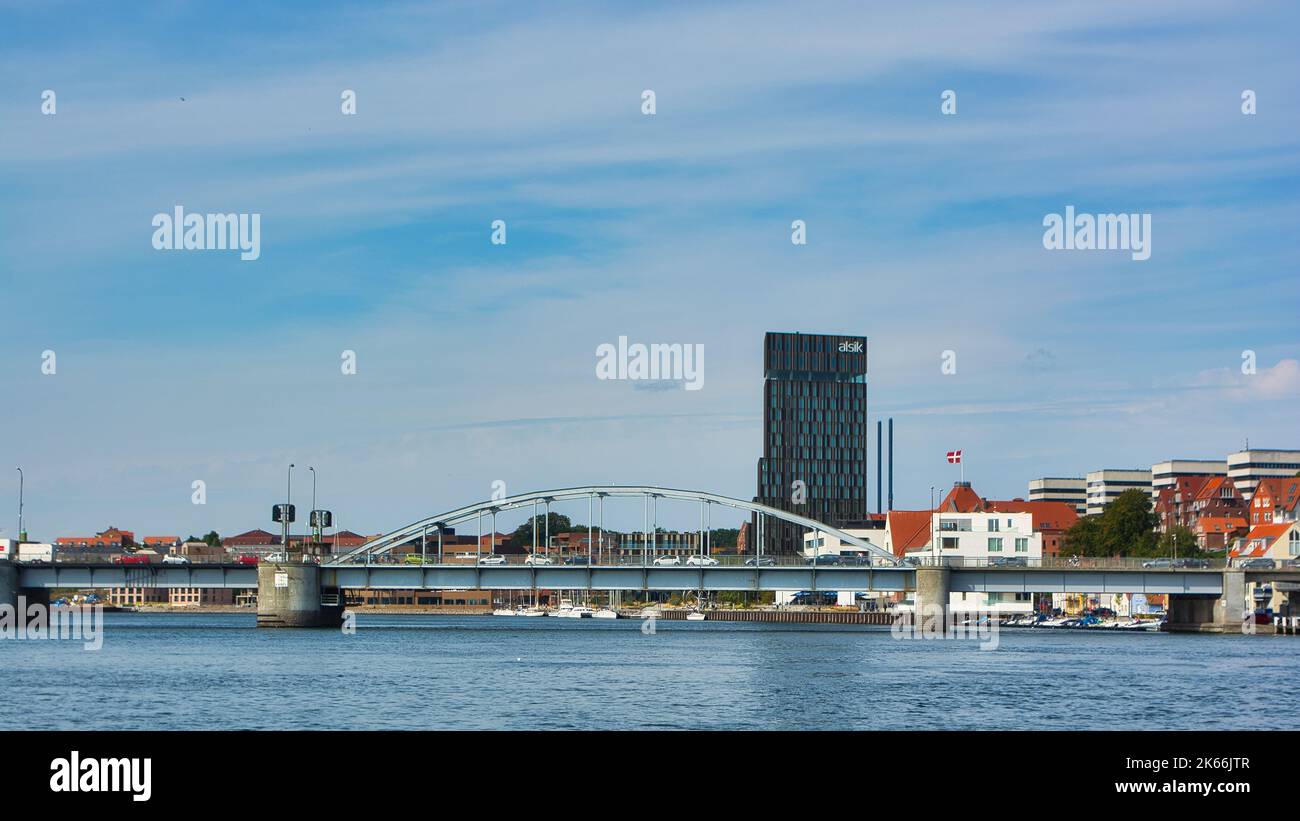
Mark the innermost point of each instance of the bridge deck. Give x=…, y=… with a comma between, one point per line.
x=638, y=577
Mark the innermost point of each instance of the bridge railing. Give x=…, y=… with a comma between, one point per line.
x=627, y=560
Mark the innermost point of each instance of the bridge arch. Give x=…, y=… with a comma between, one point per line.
x=385, y=543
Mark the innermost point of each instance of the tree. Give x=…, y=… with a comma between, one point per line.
x=523, y=535
x=1084, y=537
x=1128, y=525
x=213, y=539
x=1179, y=541
x=1125, y=528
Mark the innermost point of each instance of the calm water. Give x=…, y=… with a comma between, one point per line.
x=415, y=672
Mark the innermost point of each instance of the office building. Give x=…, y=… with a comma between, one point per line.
x=1105, y=485
x=1164, y=474
x=1071, y=490
x=814, y=459
x=1247, y=467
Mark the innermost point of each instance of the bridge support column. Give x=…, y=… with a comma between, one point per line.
x=8, y=585
x=1207, y=614
x=290, y=595
x=932, y=590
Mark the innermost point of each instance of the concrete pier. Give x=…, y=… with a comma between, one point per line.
x=932, y=589
x=1212, y=614
x=289, y=594
x=8, y=584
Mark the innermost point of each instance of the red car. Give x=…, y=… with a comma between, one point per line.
x=246, y=560
x=130, y=560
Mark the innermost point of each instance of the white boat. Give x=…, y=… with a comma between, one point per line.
x=533, y=611
x=695, y=616
x=502, y=611
x=1054, y=622
x=566, y=610
x=604, y=613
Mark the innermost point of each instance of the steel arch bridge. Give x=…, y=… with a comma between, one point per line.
x=422, y=528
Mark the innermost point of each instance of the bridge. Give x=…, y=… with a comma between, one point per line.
x=307, y=593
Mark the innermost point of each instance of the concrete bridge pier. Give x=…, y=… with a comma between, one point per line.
x=932, y=590
x=1189, y=613
x=8, y=585
x=289, y=594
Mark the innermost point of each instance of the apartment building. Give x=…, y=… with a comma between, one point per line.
x=1104, y=486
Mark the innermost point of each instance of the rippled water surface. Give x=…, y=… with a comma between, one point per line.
x=414, y=672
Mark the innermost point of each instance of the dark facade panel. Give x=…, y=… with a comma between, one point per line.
x=814, y=432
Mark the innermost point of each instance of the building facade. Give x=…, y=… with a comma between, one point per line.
x=1071, y=490
x=1163, y=474
x=1105, y=485
x=1247, y=467
x=815, y=436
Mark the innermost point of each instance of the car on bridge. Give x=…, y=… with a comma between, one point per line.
x=667, y=561
x=760, y=561
x=1158, y=563
x=697, y=560
x=832, y=559
x=534, y=560
x=1197, y=564
x=578, y=559
x=493, y=560
x=173, y=559
x=1008, y=561
x=1260, y=563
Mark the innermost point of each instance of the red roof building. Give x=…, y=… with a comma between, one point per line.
x=1275, y=499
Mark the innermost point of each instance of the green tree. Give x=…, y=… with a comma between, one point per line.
x=523, y=535
x=1084, y=538
x=1179, y=541
x=1125, y=528
x=1128, y=525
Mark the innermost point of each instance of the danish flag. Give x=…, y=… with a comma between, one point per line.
x=954, y=457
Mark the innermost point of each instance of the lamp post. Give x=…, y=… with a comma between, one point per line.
x=288, y=501
x=20, y=505
x=315, y=524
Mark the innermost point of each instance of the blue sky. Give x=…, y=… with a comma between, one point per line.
x=476, y=362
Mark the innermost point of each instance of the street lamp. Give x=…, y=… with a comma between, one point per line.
x=315, y=525
x=20, y=505
x=288, y=505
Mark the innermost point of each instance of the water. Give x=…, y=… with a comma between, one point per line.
x=209, y=671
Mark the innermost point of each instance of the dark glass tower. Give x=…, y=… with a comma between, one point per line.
x=814, y=431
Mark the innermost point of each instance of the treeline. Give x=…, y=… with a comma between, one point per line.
x=1127, y=527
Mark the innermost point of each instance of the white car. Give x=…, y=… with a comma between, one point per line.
x=667, y=561
x=701, y=561
x=534, y=559
x=492, y=560
x=170, y=559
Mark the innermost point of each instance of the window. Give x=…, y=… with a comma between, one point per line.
x=993, y=525
x=1022, y=545
x=995, y=544
x=949, y=543
x=1293, y=543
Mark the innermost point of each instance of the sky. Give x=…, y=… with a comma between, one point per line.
x=475, y=362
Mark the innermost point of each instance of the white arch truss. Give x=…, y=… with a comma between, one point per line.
x=388, y=541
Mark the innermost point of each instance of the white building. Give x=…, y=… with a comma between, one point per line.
x=1164, y=474
x=977, y=539
x=1105, y=485
x=1071, y=490
x=1247, y=467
